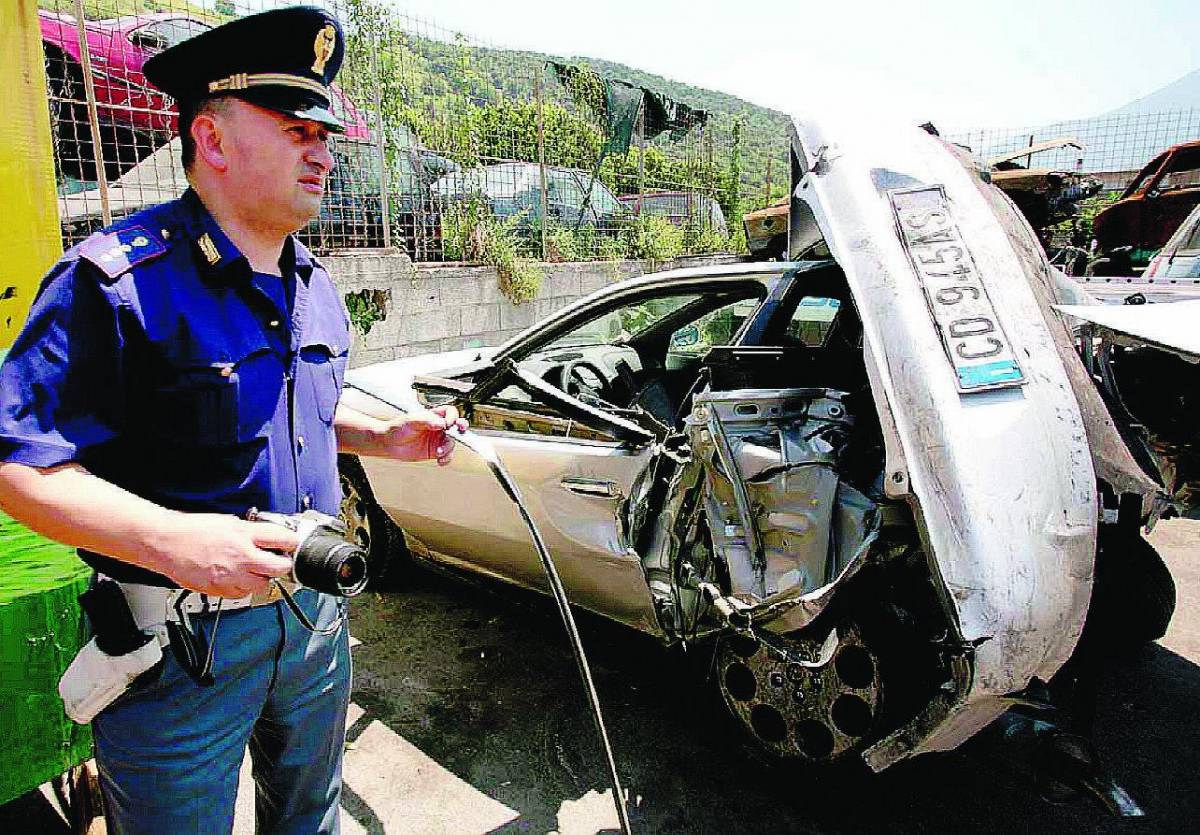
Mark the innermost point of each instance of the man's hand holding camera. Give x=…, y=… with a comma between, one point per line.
x=223, y=555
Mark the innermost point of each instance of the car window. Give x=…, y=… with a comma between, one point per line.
x=1193, y=239
x=1183, y=171
x=157, y=36
x=620, y=325
x=356, y=165
x=1137, y=184
x=716, y=327
x=813, y=321
x=505, y=181
x=602, y=199
x=561, y=187
x=405, y=176
x=1187, y=236
x=672, y=206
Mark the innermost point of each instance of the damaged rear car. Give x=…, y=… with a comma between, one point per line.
x=874, y=481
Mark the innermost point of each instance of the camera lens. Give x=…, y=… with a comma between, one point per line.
x=327, y=562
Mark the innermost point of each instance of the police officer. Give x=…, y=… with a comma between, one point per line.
x=176, y=370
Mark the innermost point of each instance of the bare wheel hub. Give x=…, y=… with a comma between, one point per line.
x=354, y=514
x=813, y=713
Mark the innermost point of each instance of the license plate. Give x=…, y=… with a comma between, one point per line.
x=980, y=353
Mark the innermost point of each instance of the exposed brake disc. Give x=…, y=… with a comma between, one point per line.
x=796, y=708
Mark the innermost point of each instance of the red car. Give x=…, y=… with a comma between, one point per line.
x=134, y=117
x=1153, y=206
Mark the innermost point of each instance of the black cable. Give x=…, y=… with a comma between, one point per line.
x=481, y=447
x=564, y=609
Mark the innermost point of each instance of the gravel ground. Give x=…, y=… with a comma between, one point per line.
x=468, y=717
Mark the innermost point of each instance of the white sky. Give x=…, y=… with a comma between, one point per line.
x=961, y=64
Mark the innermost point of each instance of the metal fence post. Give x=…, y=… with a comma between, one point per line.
x=541, y=139
x=89, y=89
x=641, y=155
x=386, y=194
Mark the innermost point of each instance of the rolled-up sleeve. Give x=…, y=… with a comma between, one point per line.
x=61, y=384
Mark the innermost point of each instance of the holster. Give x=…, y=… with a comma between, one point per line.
x=95, y=679
x=112, y=660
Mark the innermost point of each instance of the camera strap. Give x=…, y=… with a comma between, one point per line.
x=194, y=654
x=304, y=619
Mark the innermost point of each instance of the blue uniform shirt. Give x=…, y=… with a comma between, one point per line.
x=157, y=359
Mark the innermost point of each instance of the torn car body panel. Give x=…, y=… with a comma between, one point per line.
x=1147, y=361
x=780, y=517
x=1002, y=480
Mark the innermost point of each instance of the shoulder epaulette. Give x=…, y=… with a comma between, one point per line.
x=119, y=250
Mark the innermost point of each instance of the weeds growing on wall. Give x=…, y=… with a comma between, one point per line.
x=366, y=307
x=472, y=233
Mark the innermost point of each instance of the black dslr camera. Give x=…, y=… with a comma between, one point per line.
x=325, y=560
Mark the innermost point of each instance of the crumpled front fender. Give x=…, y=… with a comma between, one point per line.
x=1001, y=481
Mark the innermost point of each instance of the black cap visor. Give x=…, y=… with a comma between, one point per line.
x=292, y=102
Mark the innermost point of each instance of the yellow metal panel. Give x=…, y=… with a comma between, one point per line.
x=29, y=234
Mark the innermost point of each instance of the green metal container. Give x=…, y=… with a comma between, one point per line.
x=41, y=629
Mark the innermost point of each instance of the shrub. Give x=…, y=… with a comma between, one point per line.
x=653, y=238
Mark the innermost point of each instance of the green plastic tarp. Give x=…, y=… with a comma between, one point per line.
x=620, y=106
x=41, y=629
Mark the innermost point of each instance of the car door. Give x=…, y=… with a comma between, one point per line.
x=577, y=466
x=575, y=480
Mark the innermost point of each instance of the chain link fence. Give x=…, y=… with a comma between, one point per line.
x=455, y=150
x=1114, y=148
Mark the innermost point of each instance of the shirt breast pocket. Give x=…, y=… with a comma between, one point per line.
x=326, y=365
x=219, y=403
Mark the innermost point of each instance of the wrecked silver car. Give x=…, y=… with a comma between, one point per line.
x=876, y=481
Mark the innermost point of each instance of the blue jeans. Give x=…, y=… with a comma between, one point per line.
x=169, y=751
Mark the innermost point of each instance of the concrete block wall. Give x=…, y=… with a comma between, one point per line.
x=430, y=308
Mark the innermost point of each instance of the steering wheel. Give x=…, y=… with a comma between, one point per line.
x=576, y=385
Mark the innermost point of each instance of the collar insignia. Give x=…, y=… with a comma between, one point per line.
x=209, y=249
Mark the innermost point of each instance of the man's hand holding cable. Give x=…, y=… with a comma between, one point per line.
x=416, y=436
x=422, y=436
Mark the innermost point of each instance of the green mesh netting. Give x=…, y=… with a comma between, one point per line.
x=41, y=629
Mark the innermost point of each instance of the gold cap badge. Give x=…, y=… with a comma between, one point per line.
x=323, y=48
